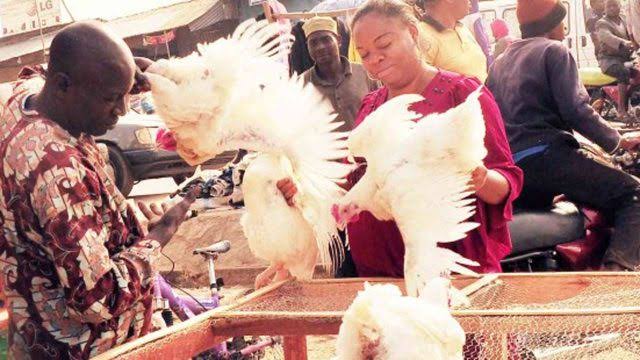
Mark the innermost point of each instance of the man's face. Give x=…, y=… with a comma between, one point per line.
x=324, y=47
x=558, y=32
x=100, y=97
x=598, y=6
x=613, y=8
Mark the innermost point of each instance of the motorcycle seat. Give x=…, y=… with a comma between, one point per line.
x=593, y=76
x=543, y=229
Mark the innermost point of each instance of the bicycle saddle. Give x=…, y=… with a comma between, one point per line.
x=216, y=248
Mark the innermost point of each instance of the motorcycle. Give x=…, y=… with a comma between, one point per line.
x=604, y=94
x=567, y=237
x=564, y=238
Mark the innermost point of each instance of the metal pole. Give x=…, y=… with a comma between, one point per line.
x=44, y=49
x=68, y=12
x=166, y=42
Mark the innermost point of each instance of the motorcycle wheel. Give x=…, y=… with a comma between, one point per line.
x=605, y=108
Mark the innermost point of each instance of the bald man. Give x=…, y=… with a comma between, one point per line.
x=77, y=267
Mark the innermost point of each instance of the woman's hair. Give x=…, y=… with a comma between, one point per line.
x=396, y=9
x=393, y=9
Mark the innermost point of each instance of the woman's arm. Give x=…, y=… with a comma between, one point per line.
x=498, y=181
x=491, y=186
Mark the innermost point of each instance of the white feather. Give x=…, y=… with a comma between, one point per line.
x=381, y=324
x=234, y=94
x=418, y=175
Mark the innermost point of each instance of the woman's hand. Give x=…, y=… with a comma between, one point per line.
x=479, y=177
x=288, y=189
x=490, y=186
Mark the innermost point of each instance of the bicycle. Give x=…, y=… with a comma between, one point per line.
x=186, y=307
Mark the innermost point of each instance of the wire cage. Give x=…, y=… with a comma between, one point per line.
x=511, y=316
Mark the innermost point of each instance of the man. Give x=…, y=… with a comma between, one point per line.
x=343, y=83
x=77, y=268
x=614, y=50
x=536, y=85
x=597, y=12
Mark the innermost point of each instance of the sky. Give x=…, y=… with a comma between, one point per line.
x=109, y=9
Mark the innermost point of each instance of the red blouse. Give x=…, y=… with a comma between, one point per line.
x=377, y=247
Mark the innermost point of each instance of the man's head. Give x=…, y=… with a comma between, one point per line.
x=541, y=18
x=597, y=6
x=323, y=40
x=89, y=76
x=612, y=8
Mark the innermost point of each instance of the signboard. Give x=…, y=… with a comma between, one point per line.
x=158, y=39
x=18, y=16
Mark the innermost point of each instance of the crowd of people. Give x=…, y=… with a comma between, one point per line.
x=78, y=264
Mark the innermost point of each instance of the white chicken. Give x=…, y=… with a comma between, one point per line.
x=381, y=324
x=232, y=94
x=418, y=175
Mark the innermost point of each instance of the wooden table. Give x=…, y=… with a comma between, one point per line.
x=516, y=303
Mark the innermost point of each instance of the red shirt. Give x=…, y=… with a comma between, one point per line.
x=377, y=247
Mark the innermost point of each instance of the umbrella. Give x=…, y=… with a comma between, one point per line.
x=329, y=5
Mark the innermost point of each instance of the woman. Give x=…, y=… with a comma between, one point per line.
x=386, y=36
x=446, y=43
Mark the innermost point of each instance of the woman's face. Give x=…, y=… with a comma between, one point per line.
x=388, y=48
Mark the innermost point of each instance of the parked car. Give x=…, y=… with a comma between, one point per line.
x=135, y=157
x=577, y=38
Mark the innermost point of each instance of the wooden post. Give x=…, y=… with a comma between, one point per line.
x=295, y=347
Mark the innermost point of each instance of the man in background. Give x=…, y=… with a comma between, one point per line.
x=340, y=81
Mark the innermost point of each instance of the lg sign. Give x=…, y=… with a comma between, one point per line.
x=22, y=15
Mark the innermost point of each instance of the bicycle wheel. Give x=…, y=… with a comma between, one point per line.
x=256, y=348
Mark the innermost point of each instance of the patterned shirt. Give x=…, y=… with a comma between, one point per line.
x=77, y=270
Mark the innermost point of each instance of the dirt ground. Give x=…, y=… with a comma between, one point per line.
x=205, y=229
x=238, y=266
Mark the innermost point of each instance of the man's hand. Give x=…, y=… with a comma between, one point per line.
x=630, y=141
x=479, y=177
x=152, y=213
x=141, y=83
x=166, y=226
x=288, y=189
x=142, y=62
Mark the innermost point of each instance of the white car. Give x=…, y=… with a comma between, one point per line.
x=134, y=155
